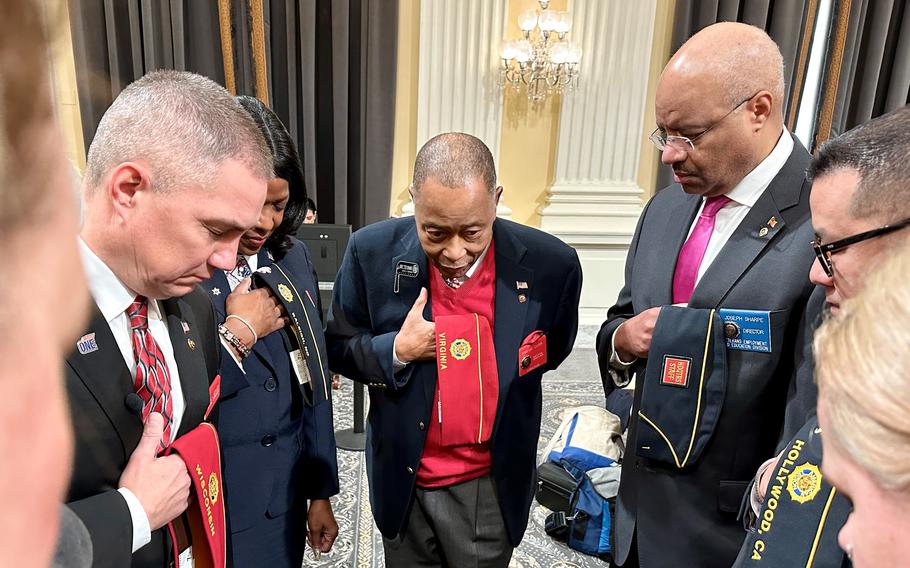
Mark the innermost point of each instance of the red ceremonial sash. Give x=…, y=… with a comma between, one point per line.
x=201, y=453
x=468, y=379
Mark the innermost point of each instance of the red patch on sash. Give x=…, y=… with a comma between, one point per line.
x=676, y=371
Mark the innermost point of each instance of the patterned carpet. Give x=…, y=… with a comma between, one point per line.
x=359, y=544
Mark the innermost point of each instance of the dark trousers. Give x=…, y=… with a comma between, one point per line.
x=459, y=526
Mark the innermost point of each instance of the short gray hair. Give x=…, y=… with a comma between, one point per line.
x=879, y=151
x=454, y=159
x=182, y=125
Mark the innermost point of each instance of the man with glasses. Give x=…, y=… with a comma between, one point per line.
x=731, y=233
x=860, y=205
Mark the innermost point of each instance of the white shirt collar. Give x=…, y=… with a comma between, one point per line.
x=477, y=262
x=111, y=295
x=754, y=184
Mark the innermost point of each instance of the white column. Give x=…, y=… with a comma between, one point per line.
x=457, y=81
x=594, y=202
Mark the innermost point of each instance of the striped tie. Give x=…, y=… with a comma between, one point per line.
x=153, y=380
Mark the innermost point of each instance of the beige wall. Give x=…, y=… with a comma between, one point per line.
x=529, y=136
x=63, y=76
x=660, y=54
x=527, y=162
x=405, y=138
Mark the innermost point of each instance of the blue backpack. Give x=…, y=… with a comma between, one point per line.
x=594, y=479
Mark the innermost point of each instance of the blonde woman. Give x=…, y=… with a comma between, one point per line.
x=863, y=372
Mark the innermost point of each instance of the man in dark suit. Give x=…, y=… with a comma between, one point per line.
x=860, y=207
x=730, y=233
x=176, y=172
x=439, y=503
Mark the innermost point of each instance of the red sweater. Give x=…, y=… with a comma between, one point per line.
x=443, y=466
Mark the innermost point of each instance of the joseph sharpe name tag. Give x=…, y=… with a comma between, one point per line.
x=747, y=330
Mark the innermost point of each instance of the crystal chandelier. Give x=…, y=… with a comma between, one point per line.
x=542, y=60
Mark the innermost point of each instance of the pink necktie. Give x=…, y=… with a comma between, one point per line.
x=692, y=253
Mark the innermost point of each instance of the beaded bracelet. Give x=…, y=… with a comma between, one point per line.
x=246, y=323
x=235, y=341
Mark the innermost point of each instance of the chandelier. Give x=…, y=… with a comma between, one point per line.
x=542, y=60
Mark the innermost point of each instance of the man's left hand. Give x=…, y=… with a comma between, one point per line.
x=322, y=530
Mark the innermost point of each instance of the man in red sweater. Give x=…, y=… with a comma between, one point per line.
x=452, y=318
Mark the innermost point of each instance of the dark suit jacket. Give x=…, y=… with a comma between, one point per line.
x=277, y=452
x=803, y=394
x=366, y=314
x=107, y=432
x=689, y=517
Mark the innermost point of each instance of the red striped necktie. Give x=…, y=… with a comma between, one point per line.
x=153, y=380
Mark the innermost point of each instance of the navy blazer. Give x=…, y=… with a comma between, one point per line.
x=689, y=516
x=274, y=458
x=366, y=315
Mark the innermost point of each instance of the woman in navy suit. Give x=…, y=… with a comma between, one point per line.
x=278, y=443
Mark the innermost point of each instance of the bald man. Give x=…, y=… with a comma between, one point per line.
x=730, y=233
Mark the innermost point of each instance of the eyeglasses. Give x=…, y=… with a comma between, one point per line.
x=824, y=252
x=661, y=140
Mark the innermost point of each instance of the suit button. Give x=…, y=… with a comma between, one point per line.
x=268, y=440
x=271, y=384
x=410, y=470
x=422, y=425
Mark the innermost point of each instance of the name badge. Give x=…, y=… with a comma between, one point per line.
x=298, y=363
x=406, y=269
x=747, y=330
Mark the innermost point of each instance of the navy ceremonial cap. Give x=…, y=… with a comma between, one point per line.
x=802, y=513
x=684, y=386
x=302, y=336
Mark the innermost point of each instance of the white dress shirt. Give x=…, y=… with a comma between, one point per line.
x=743, y=197
x=113, y=299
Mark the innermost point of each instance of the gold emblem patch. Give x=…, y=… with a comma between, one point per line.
x=213, y=488
x=285, y=293
x=460, y=349
x=803, y=484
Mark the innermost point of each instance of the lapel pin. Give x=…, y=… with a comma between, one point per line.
x=87, y=344
x=772, y=222
x=191, y=344
x=265, y=270
x=763, y=232
x=186, y=327
x=522, y=298
x=519, y=285
x=216, y=291
x=268, y=253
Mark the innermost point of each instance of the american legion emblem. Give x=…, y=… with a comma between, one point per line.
x=460, y=349
x=804, y=483
x=285, y=293
x=213, y=488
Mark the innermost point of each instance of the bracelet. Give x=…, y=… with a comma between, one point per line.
x=235, y=341
x=246, y=323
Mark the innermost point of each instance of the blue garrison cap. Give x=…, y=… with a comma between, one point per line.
x=683, y=388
